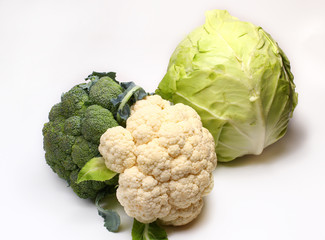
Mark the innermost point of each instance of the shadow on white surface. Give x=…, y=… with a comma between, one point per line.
x=111, y=202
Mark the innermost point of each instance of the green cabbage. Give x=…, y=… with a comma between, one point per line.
x=238, y=80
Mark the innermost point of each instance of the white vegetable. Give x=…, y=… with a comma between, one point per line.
x=165, y=159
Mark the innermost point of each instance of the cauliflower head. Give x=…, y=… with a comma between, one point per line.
x=165, y=159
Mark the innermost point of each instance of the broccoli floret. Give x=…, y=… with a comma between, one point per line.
x=71, y=137
x=83, y=151
x=74, y=102
x=103, y=91
x=58, y=148
x=95, y=122
x=55, y=112
x=72, y=126
x=86, y=189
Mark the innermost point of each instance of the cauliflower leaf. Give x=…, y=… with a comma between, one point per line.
x=151, y=231
x=96, y=170
x=112, y=220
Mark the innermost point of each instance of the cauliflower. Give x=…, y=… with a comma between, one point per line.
x=165, y=159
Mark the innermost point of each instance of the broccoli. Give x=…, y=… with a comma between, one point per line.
x=71, y=137
x=101, y=93
x=95, y=122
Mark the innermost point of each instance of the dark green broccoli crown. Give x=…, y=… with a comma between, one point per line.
x=72, y=126
x=103, y=91
x=83, y=151
x=71, y=137
x=86, y=189
x=55, y=112
x=74, y=102
x=95, y=122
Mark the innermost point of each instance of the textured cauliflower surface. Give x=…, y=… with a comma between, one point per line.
x=165, y=159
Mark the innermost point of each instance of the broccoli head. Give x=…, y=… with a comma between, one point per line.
x=71, y=137
x=102, y=92
x=95, y=122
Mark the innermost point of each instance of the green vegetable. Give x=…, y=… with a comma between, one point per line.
x=238, y=80
x=96, y=121
x=101, y=93
x=95, y=169
x=151, y=231
x=125, y=100
x=71, y=137
x=111, y=218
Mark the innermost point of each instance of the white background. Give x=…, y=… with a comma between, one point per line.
x=46, y=47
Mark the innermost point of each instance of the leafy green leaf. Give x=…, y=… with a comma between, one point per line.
x=111, y=218
x=125, y=100
x=95, y=169
x=111, y=75
x=151, y=231
x=235, y=76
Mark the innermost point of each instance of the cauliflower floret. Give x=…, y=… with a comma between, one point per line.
x=151, y=101
x=165, y=159
x=142, y=196
x=182, y=216
x=117, y=148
